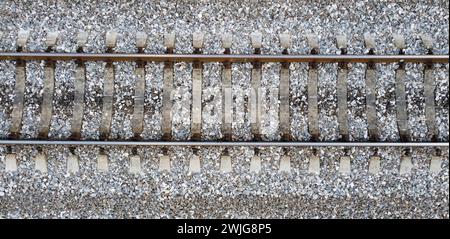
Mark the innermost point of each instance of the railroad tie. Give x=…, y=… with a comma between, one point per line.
x=40, y=162
x=225, y=162
x=345, y=165
x=73, y=165
x=22, y=39
x=313, y=107
x=227, y=104
x=314, y=163
x=164, y=162
x=255, y=97
x=436, y=162
x=405, y=162
x=429, y=88
x=285, y=161
x=139, y=89
x=169, y=43
x=11, y=162
x=197, y=75
x=255, y=101
x=341, y=43
x=255, y=162
x=80, y=81
x=374, y=164
x=285, y=164
x=227, y=92
x=284, y=97
x=135, y=163
x=102, y=161
x=371, y=91
x=17, y=111
x=194, y=162
x=400, y=92
x=49, y=88
x=108, y=88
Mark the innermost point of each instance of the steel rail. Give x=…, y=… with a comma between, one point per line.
x=224, y=144
x=222, y=57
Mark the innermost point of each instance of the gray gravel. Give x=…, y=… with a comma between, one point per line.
x=212, y=102
x=6, y=95
x=239, y=194
x=357, y=101
x=416, y=102
x=299, y=102
x=328, y=124
x=182, y=95
x=441, y=74
x=241, y=86
x=62, y=100
x=124, y=97
x=93, y=94
x=153, y=101
x=386, y=107
x=33, y=97
x=270, y=103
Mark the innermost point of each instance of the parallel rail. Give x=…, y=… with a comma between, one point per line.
x=222, y=143
x=234, y=58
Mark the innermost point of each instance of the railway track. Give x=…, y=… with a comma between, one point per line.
x=224, y=109
x=253, y=105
